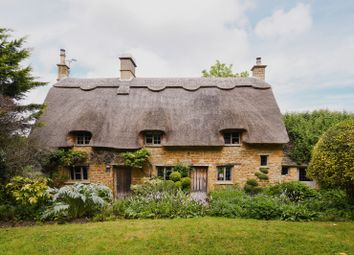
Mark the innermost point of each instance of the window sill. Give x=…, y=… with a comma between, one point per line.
x=232, y=145
x=153, y=145
x=224, y=182
x=82, y=145
x=77, y=181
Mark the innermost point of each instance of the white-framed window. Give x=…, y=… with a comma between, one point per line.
x=232, y=137
x=153, y=138
x=79, y=173
x=164, y=172
x=264, y=160
x=224, y=173
x=82, y=138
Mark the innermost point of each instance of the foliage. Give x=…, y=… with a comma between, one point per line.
x=78, y=200
x=305, y=129
x=251, y=187
x=264, y=170
x=25, y=198
x=63, y=157
x=175, y=176
x=261, y=176
x=158, y=205
x=294, y=191
x=183, y=169
x=136, y=159
x=332, y=163
x=16, y=80
x=186, y=182
x=153, y=185
x=222, y=70
x=28, y=191
x=7, y=212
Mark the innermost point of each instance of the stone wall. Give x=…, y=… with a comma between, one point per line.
x=244, y=158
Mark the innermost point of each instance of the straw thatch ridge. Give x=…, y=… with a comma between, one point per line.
x=190, y=111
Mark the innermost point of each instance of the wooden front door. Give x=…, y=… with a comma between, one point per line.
x=124, y=180
x=199, y=176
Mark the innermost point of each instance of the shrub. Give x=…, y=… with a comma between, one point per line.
x=182, y=169
x=263, y=207
x=137, y=158
x=294, y=191
x=297, y=212
x=264, y=170
x=154, y=185
x=178, y=184
x=175, y=176
x=186, y=182
x=158, y=205
x=66, y=157
x=251, y=187
x=78, y=200
x=332, y=159
x=7, y=212
x=261, y=176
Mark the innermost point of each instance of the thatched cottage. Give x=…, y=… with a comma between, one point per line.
x=225, y=128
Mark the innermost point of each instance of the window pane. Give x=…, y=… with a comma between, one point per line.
x=228, y=174
x=157, y=139
x=221, y=174
x=161, y=172
x=148, y=139
x=84, y=172
x=77, y=173
x=80, y=139
x=284, y=170
x=235, y=138
x=227, y=138
x=302, y=175
x=264, y=160
x=72, y=173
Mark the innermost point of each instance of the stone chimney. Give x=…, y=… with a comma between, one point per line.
x=258, y=70
x=63, y=68
x=127, y=67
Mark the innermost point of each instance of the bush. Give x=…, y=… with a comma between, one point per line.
x=182, y=169
x=297, y=212
x=27, y=197
x=7, y=212
x=294, y=191
x=175, y=176
x=78, y=200
x=261, y=176
x=153, y=185
x=186, y=182
x=251, y=187
x=264, y=170
x=332, y=159
x=158, y=205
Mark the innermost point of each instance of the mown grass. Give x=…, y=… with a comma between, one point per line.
x=181, y=236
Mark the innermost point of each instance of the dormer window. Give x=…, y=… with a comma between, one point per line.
x=153, y=138
x=232, y=138
x=82, y=138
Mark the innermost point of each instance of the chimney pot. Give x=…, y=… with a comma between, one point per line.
x=258, y=70
x=63, y=68
x=127, y=67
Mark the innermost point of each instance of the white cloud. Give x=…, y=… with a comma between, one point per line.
x=285, y=24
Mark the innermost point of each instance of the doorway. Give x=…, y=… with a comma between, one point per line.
x=199, y=176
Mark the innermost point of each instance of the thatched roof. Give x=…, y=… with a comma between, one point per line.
x=190, y=111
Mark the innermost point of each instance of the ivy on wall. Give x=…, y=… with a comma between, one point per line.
x=136, y=159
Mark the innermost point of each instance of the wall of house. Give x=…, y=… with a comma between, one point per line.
x=245, y=160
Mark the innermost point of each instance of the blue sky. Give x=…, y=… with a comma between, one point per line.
x=307, y=45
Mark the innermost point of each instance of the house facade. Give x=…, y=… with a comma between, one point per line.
x=226, y=129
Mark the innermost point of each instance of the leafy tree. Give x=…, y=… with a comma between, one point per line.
x=222, y=70
x=15, y=119
x=332, y=163
x=306, y=128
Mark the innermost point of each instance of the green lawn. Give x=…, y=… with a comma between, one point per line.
x=181, y=236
